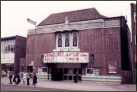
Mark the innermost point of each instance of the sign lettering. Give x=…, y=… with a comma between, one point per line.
x=7, y=60
x=68, y=57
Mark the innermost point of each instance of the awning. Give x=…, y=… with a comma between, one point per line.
x=66, y=57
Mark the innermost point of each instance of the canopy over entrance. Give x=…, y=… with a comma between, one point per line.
x=66, y=57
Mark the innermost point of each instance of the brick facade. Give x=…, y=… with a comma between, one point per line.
x=104, y=43
x=108, y=39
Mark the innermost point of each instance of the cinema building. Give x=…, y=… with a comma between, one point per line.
x=12, y=49
x=83, y=41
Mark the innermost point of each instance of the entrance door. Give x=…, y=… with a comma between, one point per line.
x=70, y=73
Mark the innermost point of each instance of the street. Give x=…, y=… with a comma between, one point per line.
x=27, y=88
x=45, y=85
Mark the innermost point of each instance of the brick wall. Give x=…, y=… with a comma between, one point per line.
x=20, y=51
x=45, y=43
x=104, y=44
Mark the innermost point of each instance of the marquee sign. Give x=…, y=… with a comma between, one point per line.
x=66, y=57
x=7, y=61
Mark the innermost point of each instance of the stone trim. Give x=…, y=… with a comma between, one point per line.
x=81, y=25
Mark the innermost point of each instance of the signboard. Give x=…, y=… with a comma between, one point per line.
x=70, y=71
x=32, y=63
x=90, y=72
x=66, y=57
x=39, y=70
x=112, y=67
x=42, y=70
x=7, y=61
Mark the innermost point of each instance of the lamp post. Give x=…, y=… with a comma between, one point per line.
x=34, y=23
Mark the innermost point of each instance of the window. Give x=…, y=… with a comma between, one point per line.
x=67, y=40
x=59, y=40
x=42, y=58
x=92, y=58
x=12, y=48
x=6, y=49
x=9, y=48
x=75, y=39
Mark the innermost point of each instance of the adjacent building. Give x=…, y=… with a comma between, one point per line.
x=12, y=49
x=83, y=41
x=134, y=37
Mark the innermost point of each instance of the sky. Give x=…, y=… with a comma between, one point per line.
x=14, y=14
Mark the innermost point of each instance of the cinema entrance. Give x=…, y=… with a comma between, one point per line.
x=66, y=64
x=66, y=71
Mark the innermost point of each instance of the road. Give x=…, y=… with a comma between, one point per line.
x=27, y=88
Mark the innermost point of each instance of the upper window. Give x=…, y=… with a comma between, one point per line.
x=59, y=40
x=67, y=40
x=92, y=58
x=75, y=35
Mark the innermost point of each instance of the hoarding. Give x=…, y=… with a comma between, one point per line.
x=66, y=57
x=112, y=67
x=90, y=72
x=42, y=70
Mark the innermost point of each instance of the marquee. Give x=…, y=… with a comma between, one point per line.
x=66, y=57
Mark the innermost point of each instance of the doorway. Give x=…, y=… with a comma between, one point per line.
x=70, y=73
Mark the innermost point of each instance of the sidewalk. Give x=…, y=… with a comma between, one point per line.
x=80, y=86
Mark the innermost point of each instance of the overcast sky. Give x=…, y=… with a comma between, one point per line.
x=15, y=13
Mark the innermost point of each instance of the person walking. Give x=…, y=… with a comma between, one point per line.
x=24, y=78
x=34, y=79
x=28, y=76
x=10, y=77
x=14, y=79
x=18, y=79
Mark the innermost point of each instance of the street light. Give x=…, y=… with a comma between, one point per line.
x=34, y=23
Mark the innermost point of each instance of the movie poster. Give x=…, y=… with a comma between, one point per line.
x=90, y=72
x=112, y=67
x=39, y=70
x=44, y=70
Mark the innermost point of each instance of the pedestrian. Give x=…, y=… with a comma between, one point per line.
x=24, y=78
x=28, y=76
x=2, y=73
x=8, y=73
x=18, y=79
x=34, y=79
x=76, y=77
x=14, y=79
x=10, y=77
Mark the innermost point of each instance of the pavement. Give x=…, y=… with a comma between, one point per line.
x=80, y=86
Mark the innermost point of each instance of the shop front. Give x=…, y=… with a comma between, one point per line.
x=7, y=64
